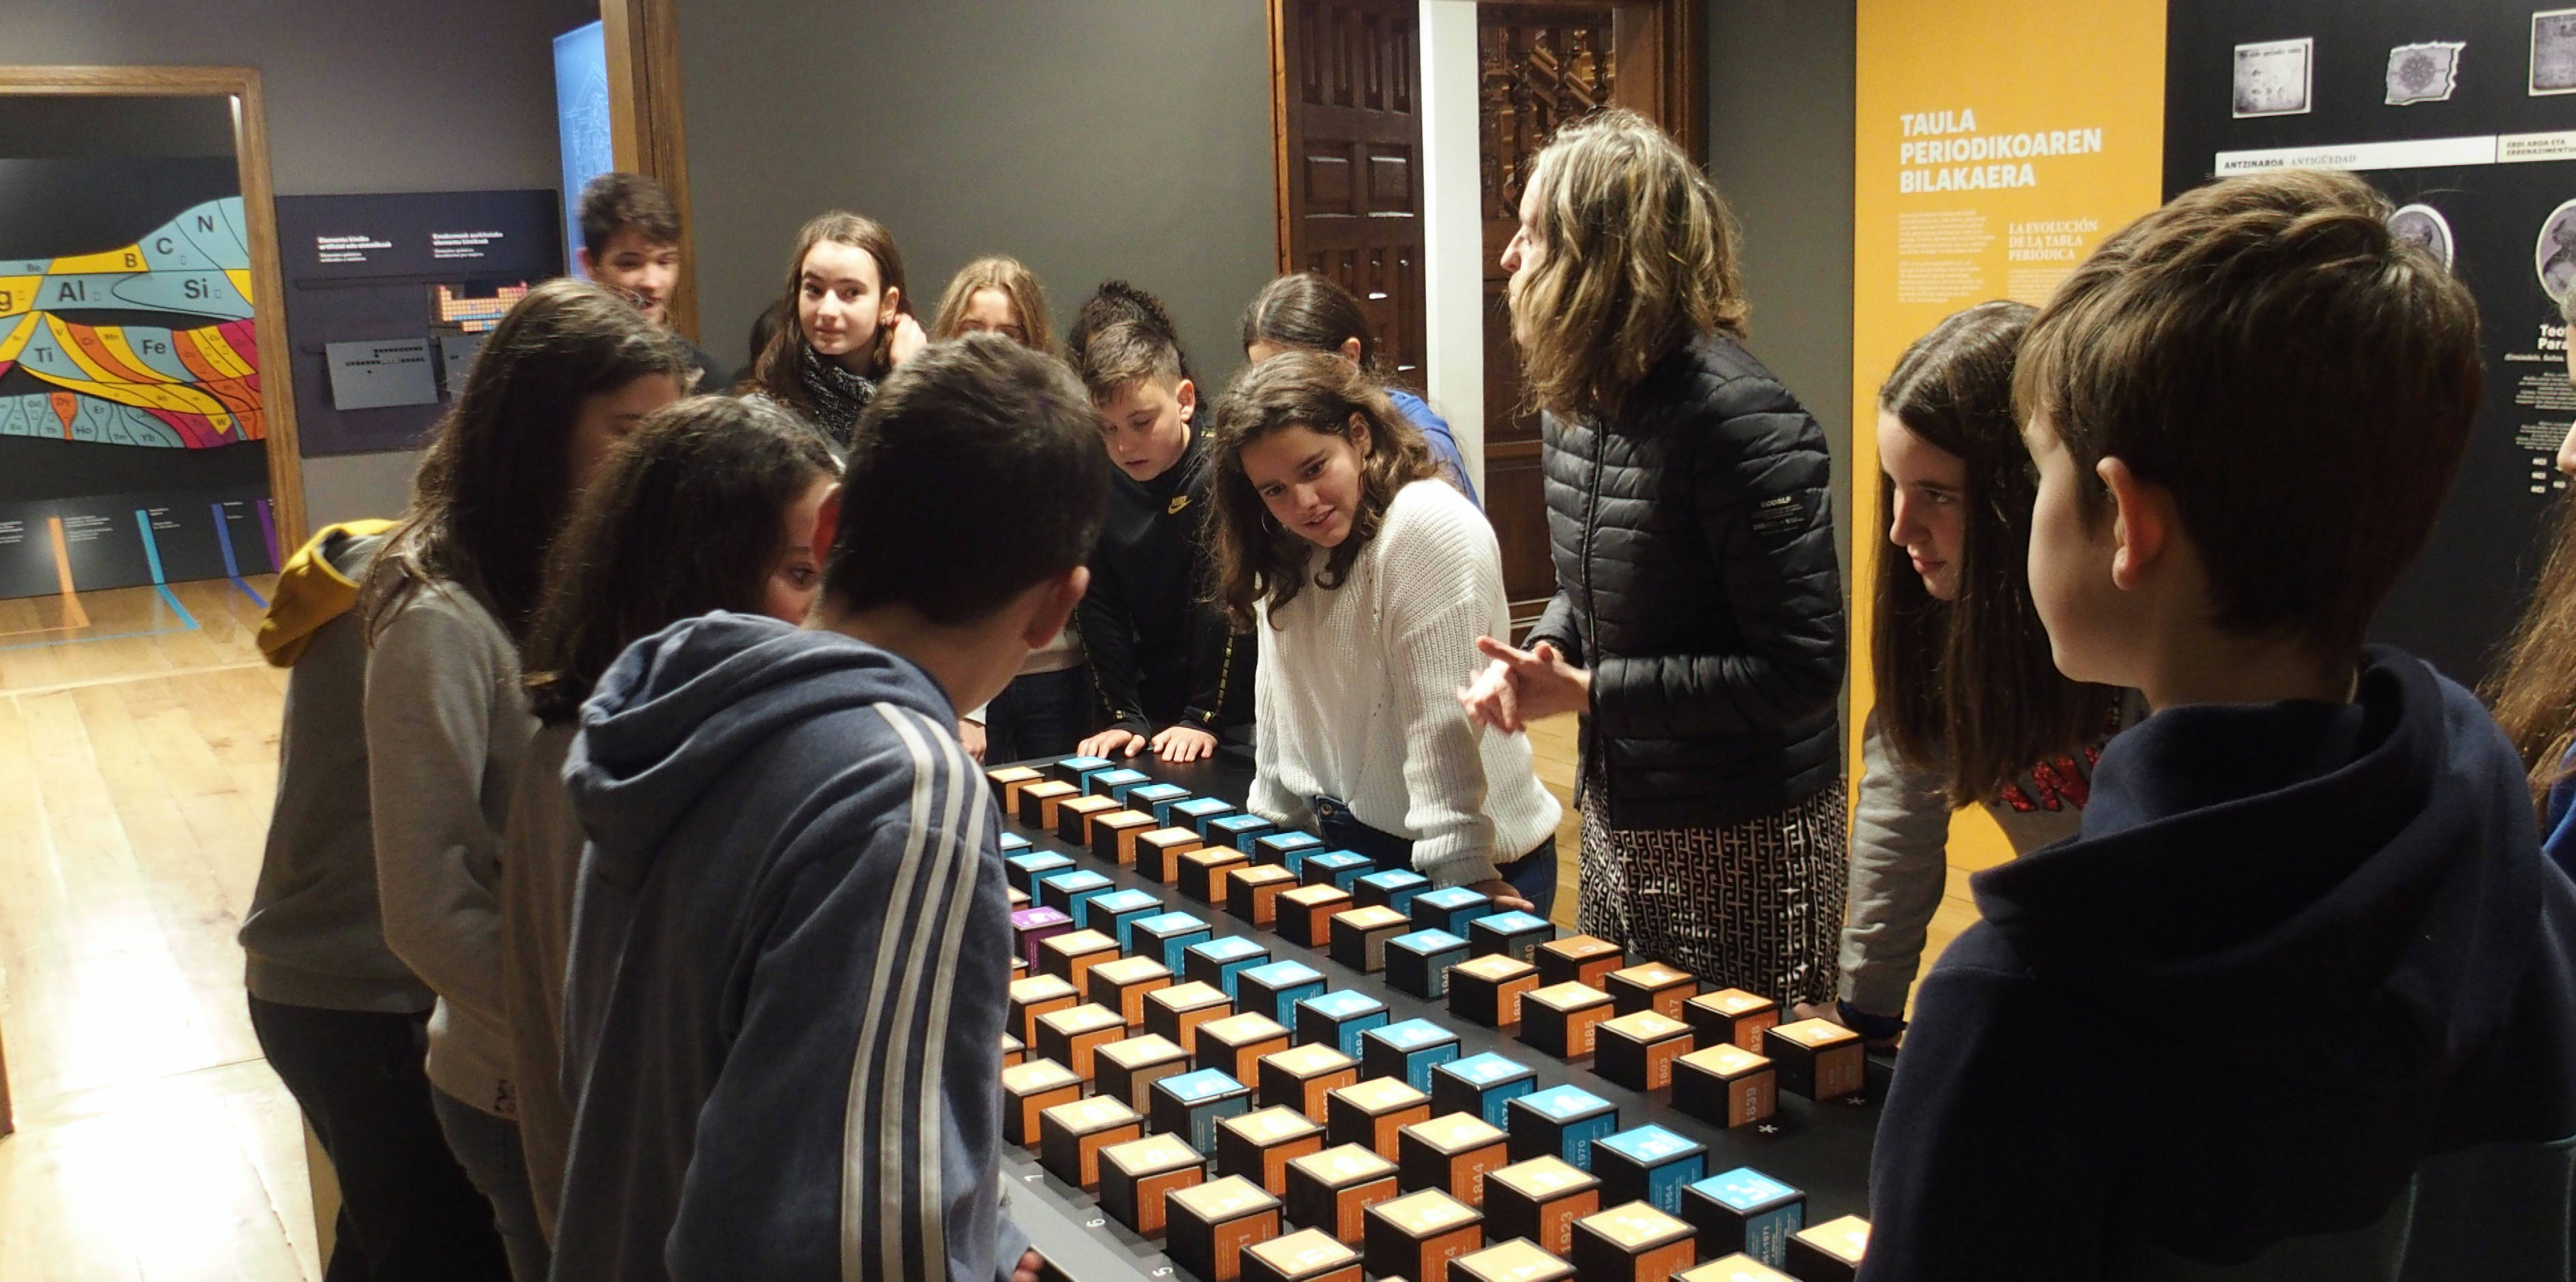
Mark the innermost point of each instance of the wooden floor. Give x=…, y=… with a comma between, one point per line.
x=136, y=775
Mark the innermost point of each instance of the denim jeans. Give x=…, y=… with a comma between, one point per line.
x=1043, y=714
x=406, y=1209
x=1533, y=875
x=488, y=1148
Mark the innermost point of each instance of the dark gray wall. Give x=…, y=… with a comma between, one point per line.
x=1087, y=138
x=361, y=97
x=1780, y=94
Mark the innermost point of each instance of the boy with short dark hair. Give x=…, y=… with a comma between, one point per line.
x=784, y=1012
x=630, y=242
x=1172, y=675
x=2300, y=1002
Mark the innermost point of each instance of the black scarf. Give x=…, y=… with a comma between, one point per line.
x=838, y=395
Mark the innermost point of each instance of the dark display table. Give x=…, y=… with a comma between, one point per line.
x=1822, y=1149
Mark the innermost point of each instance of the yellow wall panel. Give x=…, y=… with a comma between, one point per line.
x=1997, y=141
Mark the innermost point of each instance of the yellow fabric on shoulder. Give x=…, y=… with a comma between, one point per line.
x=310, y=592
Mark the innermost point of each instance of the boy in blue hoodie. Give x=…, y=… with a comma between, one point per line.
x=784, y=1010
x=2300, y=1000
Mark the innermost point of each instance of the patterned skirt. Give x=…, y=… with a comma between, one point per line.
x=1756, y=906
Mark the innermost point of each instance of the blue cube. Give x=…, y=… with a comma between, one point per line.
x=1648, y=1164
x=1337, y=1019
x=1074, y=770
x=1409, y=1050
x=1030, y=866
x=1484, y=1085
x=1395, y=888
x=1166, y=937
x=1191, y=1104
x=1516, y=935
x=1450, y=909
x=1286, y=849
x=1198, y=813
x=1338, y=869
x=1219, y=962
x=1744, y=1210
x=1114, y=784
x=1070, y=890
x=1110, y=913
x=1013, y=843
x=1562, y=1122
x=1275, y=989
x=1157, y=799
x=1240, y=831
x=1418, y=963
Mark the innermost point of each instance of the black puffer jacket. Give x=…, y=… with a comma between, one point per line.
x=1695, y=576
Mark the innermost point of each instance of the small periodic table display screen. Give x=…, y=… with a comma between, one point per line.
x=1292, y=1062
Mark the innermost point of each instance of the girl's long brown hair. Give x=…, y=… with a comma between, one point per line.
x=493, y=489
x=686, y=518
x=775, y=370
x=1971, y=681
x=1015, y=282
x=1257, y=560
x=2533, y=689
x=1309, y=311
x=1637, y=256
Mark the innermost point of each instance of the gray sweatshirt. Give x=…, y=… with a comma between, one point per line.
x=540, y=865
x=447, y=723
x=313, y=936
x=791, y=945
x=1900, y=863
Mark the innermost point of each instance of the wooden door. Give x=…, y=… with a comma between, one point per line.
x=1346, y=113
x=1538, y=67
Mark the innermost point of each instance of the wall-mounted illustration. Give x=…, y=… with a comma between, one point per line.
x=145, y=439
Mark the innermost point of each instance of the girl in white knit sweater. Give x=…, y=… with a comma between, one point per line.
x=1368, y=580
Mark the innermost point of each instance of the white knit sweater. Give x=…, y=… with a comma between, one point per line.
x=1357, y=696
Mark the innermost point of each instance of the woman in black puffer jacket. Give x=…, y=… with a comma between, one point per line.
x=1698, y=620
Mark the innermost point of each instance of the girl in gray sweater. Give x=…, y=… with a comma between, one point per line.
x=1971, y=709
x=564, y=376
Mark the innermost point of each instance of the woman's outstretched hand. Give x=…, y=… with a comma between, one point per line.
x=1505, y=895
x=1522, y=686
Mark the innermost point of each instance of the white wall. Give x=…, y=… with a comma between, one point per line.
x=1453, y=227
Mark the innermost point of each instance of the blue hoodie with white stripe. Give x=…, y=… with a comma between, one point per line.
x=790, y=955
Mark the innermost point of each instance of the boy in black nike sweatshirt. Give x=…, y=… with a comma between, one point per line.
x=2300, y=1001
x=784, y=1008
x=1171, y=673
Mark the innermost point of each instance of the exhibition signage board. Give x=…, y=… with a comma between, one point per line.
x=2461, y=115
x=1997, y=142
x=389, y=297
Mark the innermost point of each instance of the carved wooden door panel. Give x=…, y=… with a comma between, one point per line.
x=1540, y=65
x=1349, y=128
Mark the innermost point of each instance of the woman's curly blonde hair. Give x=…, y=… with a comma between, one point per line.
x=1636, y=256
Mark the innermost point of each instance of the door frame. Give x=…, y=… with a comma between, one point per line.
x=646, y=131
x=259, y=214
